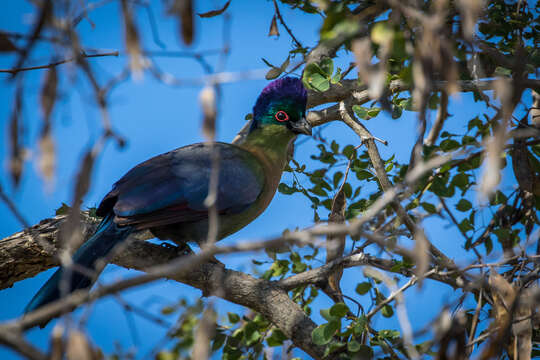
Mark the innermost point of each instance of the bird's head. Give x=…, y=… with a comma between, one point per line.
x=282, y=102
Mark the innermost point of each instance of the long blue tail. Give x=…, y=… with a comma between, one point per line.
x=107, y=235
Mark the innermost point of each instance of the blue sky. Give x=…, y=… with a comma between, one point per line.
x=156, y=118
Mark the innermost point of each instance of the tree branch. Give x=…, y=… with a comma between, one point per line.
x=16, y=341
x=16, y=70
x=212, y=278
x=386, y=185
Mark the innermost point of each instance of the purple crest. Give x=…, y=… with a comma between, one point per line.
x=280, y=89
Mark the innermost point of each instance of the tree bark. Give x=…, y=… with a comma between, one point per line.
x=29, y=252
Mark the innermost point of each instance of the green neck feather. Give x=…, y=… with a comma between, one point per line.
x=270, y=141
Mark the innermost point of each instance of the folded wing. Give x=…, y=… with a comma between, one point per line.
x=171, y=188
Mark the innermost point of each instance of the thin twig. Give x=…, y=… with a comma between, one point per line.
x=400, y=308
x=442, y=114
x=412, y=281
x=56, y=63
x=475, y=319
x=278, y=13
x=15, y=340
x=378, y=165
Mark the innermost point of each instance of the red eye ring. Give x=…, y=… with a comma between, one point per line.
x=281, y=116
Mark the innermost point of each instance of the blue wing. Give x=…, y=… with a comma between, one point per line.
x=171, y=188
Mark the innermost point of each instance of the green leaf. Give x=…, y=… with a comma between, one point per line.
x=325, y=313
x=251, y=333
x=318, y=190
x=365, y=352
x=62, y=210
x=334, y=146
x=373, y=112
x=319, y=82
x=331, y=328
x=471, y=164
x=361, y=111
x=299, y=267
x=273, y=73
x=333, y=348
x=488, y=243
x=166, y=355
x=359, y=205
x=449, y=145
x=501, y=71
x=430, y=208
x=536, y=149
x=349, y=151
x=353, y=346
x=276, y=338
x=337, y=177
x=433, y=101
x=280, y=267
x=397, y=111
x=339, y=310
x=233, y=318
x=468, y=140
x=92, y=212
x=382, y=33
x=389, y=334
x=474, y=123
x=407, y=104
x=219, y=339
x=502, y=234
x=347, y=189
x=314, y=78
x=413, y=204
x=363, y=174
x=387, y=311
x=167, y=310
x=319, y=335
x=327, y=203
x=465, y=225
x=336, y=77
x=461, y=180
x=438, y=187
x=327, y=66
x=363, y=287
x=359, y=326
x=286, y=189
x=499, y=198
x=464, y=205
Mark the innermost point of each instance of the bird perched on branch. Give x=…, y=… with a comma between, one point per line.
x=166, y=194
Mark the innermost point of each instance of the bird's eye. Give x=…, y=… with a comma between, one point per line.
x=282, y=116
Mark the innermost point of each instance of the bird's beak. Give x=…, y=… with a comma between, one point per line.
x=301, y=126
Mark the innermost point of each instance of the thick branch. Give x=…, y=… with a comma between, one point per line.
x=358, y=91
x=212, y=278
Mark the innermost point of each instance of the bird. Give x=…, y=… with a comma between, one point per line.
x=166, y=194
